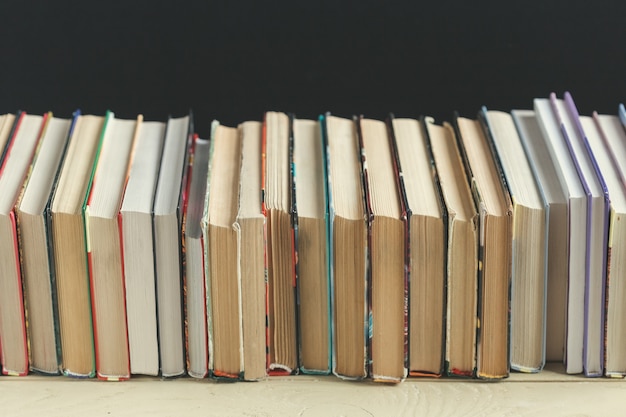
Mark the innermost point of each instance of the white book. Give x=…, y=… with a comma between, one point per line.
x=577, y=232
x=137, y=235
x=605, y=133
x=167, y=248
x=597, y=230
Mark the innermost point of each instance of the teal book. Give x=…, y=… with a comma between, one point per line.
x=311, y=228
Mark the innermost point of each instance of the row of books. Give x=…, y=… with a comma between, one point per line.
x=353, y=246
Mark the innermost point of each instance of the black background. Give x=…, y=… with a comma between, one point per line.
x=234, y=60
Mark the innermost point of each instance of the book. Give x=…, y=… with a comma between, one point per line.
x=418, y=183
x=20, y=150
x=69, y=246
x=544, y=169
x=7, y=126
x=222, y=238
x=138, y=249
x=281, y=283
x=348, y=248
x=36, y=258
x=528, y=280
x=386, y=235
x=494, y=207
x=597, y=232
x=104, y=251
x=196, y=330
x=461, y=254
x=604, y=133
x=312, y=245
x=576, y=233
x=251, y=224
x=622, y=114
x=167, y=223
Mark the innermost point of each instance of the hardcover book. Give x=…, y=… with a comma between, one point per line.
x=386, y=235
x=607, y=143
x=528, y=281
x=167, y=223
x=348, y=248
x=138, y=249
x=312, y=245
x=222, y=238
x=280, y=251
x=494, y=207
x=420, y=190
x=461, y=254
x=36, y=254
x=576, y=233
x=251, y=223
x=19, y=154
x=69, y=247
x=544, y=169
x=196, y=330
x=597, y=232
x=7, y=126
x=104, y=248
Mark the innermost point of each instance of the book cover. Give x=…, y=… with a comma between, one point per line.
x=348, y=248
x=310, y=227
x=194, y=279
x=575, y=233
x=528, y=280
x=38, y=287
x=13, y=337
x=461, y=252
x=167, y=239
x=605, y=134
x=104, y=246
x=50, y=239
x=386, y=236
x=494, y=207
x=135, y=220
x=622, y=114
x=277, y=191
x=597, y=231
x=425, y=213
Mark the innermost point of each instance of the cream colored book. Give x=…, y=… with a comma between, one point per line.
x=70, y=250
x=250, y=223
x=36, y=254
x=461, y=254
x=311, y=243
x=528, y=281
x=104, y=249
x=387, y=254
x=138, y=249
x=281, y=283
x=427, y=254
x=222, y=238
x=348, y=248
x=18, y=157
x=495, y=249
